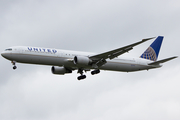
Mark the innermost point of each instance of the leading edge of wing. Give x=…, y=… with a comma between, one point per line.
x=115, y=53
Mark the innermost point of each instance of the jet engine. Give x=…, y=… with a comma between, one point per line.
x=60, y=70
x=82, y=60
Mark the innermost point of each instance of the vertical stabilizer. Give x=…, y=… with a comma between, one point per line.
x=153, y=50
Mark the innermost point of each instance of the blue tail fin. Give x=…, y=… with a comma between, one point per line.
x=153, y=50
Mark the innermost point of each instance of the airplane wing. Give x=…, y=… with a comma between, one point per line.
x=100, y=59
x=162, y=61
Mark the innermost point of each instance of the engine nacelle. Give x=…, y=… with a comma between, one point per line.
x=60, y=70
x=82, y=60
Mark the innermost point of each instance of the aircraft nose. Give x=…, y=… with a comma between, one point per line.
x=4, y=54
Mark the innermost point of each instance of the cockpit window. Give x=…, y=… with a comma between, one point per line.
x=9, y=49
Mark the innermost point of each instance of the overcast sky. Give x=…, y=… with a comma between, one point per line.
x=32, y=92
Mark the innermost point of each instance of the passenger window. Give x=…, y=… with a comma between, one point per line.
x=9, y=49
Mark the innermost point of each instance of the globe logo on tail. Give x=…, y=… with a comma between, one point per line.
x=149, y=54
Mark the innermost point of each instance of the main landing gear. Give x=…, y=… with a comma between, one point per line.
x=95, y=72
x=14, y=64
x=81, y=77
x=84, y=76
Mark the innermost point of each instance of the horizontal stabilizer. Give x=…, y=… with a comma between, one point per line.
x=162, y=61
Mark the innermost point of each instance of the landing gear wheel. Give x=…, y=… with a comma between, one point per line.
x=95, y=72
x=81, y=77
x=14, y=67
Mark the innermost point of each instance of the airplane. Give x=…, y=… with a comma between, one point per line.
x=66, y=61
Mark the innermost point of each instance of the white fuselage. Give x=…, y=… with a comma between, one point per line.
x=57, y=57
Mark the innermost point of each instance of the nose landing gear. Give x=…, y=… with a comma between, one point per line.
x=14, y=67
x=14, y=64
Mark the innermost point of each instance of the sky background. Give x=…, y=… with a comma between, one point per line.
x=32, y=92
